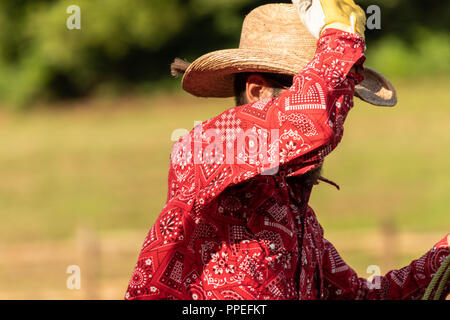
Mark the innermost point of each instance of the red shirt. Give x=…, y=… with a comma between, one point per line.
x=236, y=227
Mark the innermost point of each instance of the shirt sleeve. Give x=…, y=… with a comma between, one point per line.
x=408, y=283
x=291, y=133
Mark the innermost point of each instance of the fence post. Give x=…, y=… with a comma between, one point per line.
x=389, y=232
x=89, y=261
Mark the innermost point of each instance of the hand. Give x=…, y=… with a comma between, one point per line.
x=318, y=15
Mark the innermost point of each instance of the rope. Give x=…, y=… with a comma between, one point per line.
x=443, y=271
x=444, y=280
x=329, y=182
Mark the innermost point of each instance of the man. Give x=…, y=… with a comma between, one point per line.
x=237, y=224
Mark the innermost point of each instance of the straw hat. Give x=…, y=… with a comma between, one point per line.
x=273, y=40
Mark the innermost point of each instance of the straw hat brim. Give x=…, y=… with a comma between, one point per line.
x=376, y=89
x=212, y=75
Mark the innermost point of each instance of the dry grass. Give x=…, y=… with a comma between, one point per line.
x=38, y=270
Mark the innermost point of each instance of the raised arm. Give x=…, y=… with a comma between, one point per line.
x=293, y=132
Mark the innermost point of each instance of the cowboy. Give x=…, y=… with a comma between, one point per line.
x=237, y=224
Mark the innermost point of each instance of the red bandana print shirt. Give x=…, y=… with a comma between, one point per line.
x=235, y=226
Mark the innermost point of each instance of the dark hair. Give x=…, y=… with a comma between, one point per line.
x=240, y=80
x=179, y=67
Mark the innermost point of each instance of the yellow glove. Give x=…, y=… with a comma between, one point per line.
x=318, y=15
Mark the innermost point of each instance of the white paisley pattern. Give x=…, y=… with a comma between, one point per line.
x=236, y=227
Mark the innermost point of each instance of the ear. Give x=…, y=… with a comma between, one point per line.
x=257, y=88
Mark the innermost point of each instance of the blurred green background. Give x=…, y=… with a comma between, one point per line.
x=127, y=46
x=86, y=118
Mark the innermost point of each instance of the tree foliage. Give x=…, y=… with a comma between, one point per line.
x=129, y=44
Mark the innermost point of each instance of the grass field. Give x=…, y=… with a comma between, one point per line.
x=101, y=165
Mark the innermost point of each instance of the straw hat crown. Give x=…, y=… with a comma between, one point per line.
x=277, y=28
x=273, y=40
